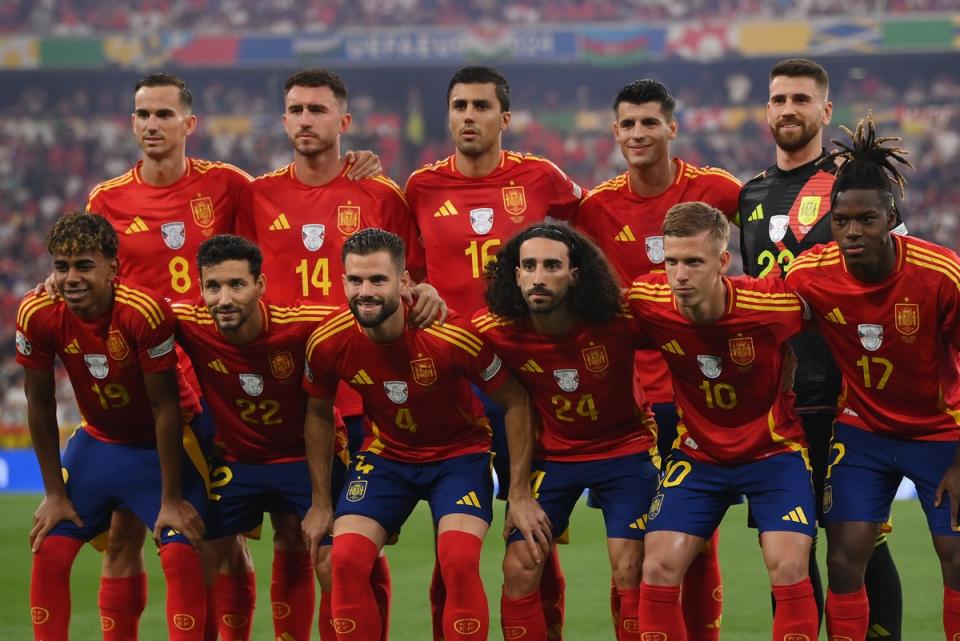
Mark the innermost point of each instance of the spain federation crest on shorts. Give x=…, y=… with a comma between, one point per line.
x=424, y=371
x=595, y=358
x=116, y=346
x=827, y=498
x=356, y=490
x=778, y=227
x=654, y=247
x=396, y=391
x=515, y=202
x=313, y=236
x=711, y=366
x=741, y=350
x=252, y=384
x=871, y=336
x=567, y=379
x=907, y=318
x=97, y=364
x=481, y=220
x=281, y=364
x=202, y=208
x=655, y=506
x=174, y=234
x=348, y=219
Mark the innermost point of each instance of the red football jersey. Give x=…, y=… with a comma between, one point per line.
x=105, y=358
x=629, y=230
x=161, y=228
x=894, y=341
x=254, y=391
x=580, y=384
x=727, y=375
x=416, y=390
x=463, y=221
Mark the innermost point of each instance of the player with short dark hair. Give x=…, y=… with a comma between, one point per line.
x=316, y=78
x=482, y=76
x=116, y=343
x=428, y=439
x=724, y=342
x=888, y=307
x=555, y=317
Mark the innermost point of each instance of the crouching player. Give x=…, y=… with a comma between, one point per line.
x=116, y=343
x=555, y=318
x=723, y=340
x=428, y=439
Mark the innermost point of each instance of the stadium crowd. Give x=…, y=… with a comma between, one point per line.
x=63, y=17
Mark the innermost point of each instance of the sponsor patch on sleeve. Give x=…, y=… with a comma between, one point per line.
x=492, y=369
x=162, y=349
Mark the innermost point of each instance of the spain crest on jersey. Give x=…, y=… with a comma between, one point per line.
x=281, y=364
x=313, y=236
x=424, y=371
x=515, y=202
x=356, y=491
x=711, y=366
x=809, y=210
x=97, y=364
x=741, y=350
x=116, y=346
x=348, y=219
x=595, y=358
x=778, y=227
x=655, y=506
x=252, y=384
x=654, y=247
x=174, y=234
x=397, y=391
x=202, y=208
x=567, y=379
x=871, y=336
x=907, y=318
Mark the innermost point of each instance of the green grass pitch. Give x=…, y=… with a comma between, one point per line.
x=746, y=614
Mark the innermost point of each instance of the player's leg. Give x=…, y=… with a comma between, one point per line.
x=299, y=495
x=232, y=593
x=292, y=592
x=123, y=580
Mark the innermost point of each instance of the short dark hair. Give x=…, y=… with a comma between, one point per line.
x=318, y=78
x=483, y=76
x=647, y=90
x=802, y=68
x=597, y=296
x=692, y=219
x=161, y=79
x=75, y=233
x=224, y=247
x=372, y=240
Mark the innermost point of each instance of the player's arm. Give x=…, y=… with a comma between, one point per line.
x=950, y=484
x=319, y=435
x=40, y=389
x=175, y=512
x=363, y=164
x=525, y=513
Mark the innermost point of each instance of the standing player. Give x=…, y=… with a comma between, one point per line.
x=428, y=440
x=116, y=343
x=556, y=320
x=465, y=206
x=889, y=309
x=784, y=211
x=624, y=216
x=738, y=433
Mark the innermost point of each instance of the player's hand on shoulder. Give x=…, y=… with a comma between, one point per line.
x=526, y=515
x=48, y=287
x=316, y=524
x=426, y=305
x=53, y=510
x=950, y=484
x=363, y=164
x=181, y=516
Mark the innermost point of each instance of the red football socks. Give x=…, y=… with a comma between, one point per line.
x=122, y=600
x=659, y=615
x=380, y=582
x=438, y=594
x=465, y=613
x=796, y=614
x=951, y=613
x=186, y=592
x=553, y=587
x=234, y=597
x=702, y=594
x=629, y=601
x=325, y=618
x=50, y=587
x=848, y=615
x=522, y=618
x=355, y=610
x=292, y=594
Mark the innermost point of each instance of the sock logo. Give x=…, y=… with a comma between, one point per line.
x=344, y=626
x=39, y=615
x=184, y=622
x=235, y=620
x=107, y=624
x=467, y=626
x=280, y=610
x=839, y=637
x=795, y=637
x=631, y=626
x=514, y=632
x=653, y=636
x=718, y=593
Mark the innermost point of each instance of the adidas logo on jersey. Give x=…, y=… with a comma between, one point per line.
x=73, y=347
x=674, y=348
x=136, y=226
x=446, y=209
x=532, y=367
x=757, y=214
x=471, y=500
x=796, y=515
x=218, y=366
x=280, y=223
x=625, y=235
x=836, y=317
x=361, y=378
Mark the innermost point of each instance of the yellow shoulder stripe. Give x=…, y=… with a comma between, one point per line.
x=921, y=263
x=458, y=332
x=770, y=308
x=933, y=257
x=432, y=330
x=330, y=328
x=384, y=180
x=30, y=306
x=142, y=303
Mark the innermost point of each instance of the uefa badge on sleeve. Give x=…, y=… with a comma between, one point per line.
x=23, y=345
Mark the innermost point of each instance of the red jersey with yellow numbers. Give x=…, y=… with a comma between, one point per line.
x=105, y=358
x=161, y=228
x=629, y=230
x=895, y=341
x=301, y=229
x=463, y=221
x=580, y=385
x=727, y=375
x=254, y=391
x=416, y=390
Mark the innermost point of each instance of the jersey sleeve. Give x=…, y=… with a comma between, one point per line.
x=155, y=340
x=319, y=380
x=398, y=219
x=727, y=194
x=33, y=347
x=238, y=181
x=950, y=303
x=243, y=224
x=481, y=365
x=565, y=196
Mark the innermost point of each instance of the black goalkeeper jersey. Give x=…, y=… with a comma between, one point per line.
x=783, y=213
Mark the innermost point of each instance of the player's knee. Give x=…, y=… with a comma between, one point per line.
x=352, y=558
x=458, y=561
x=949, y=554
x=236, y=558
x=626, y=569
x=789, y=569
x=323, y=568
x=660, y=569
x=286, y=532
x=521, y=574
x=844, y=569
